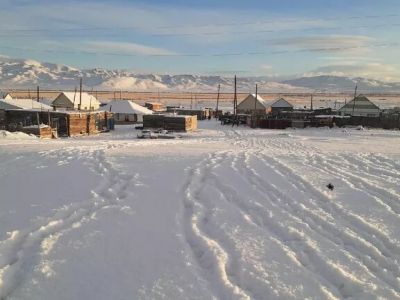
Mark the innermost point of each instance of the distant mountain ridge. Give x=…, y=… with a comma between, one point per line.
x=17, y=73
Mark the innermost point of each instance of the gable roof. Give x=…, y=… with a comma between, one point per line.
x=359, y=102
x=23, y=104
x=126, y=107
x=267, y=104
x=280, y=103
x=5, y=95
x=87, y=99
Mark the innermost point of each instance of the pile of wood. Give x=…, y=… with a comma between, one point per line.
x=201, y=114
x=77, y=124
x=44, y=132
x=170, y=122
x=87, y=122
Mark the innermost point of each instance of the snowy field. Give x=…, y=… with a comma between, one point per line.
x=223, y=213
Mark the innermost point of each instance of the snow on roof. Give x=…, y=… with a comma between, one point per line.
x=87, y=99
x=126, y=107
x=23, y=104
x=274, y=103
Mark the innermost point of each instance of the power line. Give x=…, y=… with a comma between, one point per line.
x=223, y=54
x=213, y=33
x=232, y=24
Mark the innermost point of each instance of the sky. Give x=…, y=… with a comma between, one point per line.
x=273, y=38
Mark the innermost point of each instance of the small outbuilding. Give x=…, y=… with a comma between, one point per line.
x=154, y=106
x=126, y=111
x=63, y=123
x=360, y=106
x=76, y=101
x=252, y=104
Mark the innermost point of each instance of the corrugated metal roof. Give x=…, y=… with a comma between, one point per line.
x=360, y=102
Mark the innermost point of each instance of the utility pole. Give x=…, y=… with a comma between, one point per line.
x=354, y=100
x=37, y=93
x=216, y=109
x=255, y=100
x=120, y=95
x=255, y=108
x=312, y=108
x=235, y=99
x=74, y=97
x=80, y=94
x=191, y=101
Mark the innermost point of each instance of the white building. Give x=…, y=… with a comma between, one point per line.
x=5, y=96
x=261, y=106
x=72, y=100
x=126, y=111
x=360, y=106
x=23, y=104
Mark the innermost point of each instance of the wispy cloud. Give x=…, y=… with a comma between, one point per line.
x=332, y=43
x=124, y=48
x=379, y=71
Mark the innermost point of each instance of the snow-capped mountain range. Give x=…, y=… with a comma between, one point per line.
x=16, y=73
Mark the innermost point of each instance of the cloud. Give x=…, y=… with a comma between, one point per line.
x=265, y=67
x=124, y=48
x=332, y=43
x=373, y=70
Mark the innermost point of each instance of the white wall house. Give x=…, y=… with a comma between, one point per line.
x=23, y=104
x=261, y=106
x=126, y=111
x=360, y=106
x=72, y=100
x=5, y=96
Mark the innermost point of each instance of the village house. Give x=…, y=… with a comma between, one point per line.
x=360, y=106
x=126, y=111
x=23, y=104
x=76, y=101
x=251, y=105
x=5, y=96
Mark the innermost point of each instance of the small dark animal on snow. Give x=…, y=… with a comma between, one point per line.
x=330, y=186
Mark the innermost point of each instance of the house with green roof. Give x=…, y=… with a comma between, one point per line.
x=360, y=106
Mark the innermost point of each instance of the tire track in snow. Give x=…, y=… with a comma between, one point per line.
x=380, y=196
x=386, y=263
x=297, y=243
x=364, y=183
x=23, y=251
x=362, y=227
x=323, y=223
x=385, y=269
x=211, y=257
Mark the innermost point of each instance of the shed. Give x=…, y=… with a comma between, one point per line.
x=258, y=105
x=65, y=123
x=360, y=106
x=72, y=100
x=154, y=106
x=126, y=111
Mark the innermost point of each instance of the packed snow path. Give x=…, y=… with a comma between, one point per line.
x=224, y=213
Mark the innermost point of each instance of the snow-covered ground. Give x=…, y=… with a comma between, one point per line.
x=223, y=213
